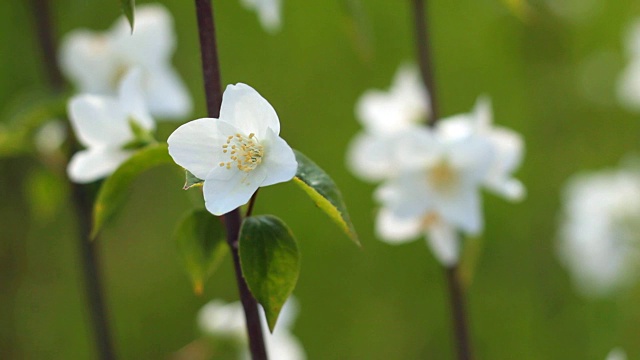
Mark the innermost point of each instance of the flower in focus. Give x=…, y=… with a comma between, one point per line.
x=599, y=239
x=388, y=119
x=237, y=153
x=269, y=13
x=226, y=321
x=629, y=81
x=97, y=61
x=436, y=190
x=109, y=128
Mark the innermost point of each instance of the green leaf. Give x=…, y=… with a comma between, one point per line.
x=324, y=193
x=113, y=191
x=191, y=180
x=270, y=262
x=129, y=8
x=200, y=237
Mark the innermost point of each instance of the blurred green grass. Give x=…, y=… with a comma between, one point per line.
x=379, y=302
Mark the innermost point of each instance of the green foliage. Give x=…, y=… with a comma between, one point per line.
x=270, y=262
x=45, y=193
x=129, y=9
x=191, y=180
x=113, y=191
x=324, y=192
x=200, y=238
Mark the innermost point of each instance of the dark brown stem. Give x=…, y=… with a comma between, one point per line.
x=458, y=314
x=424, y=57
x=81, y=196
x=252, y=202
x=233, y=219
x=456, y=295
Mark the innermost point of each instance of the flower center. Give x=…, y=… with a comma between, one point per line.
x=245, y=152
x=443, y=177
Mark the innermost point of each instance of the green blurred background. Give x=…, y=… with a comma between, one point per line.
x=551, y=76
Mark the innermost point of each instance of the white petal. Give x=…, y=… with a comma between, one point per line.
x=406, y=195
x=90, y=165
x=617, y=354
x=395, y=230
x=132, y=99
x=268, y=12
x=629, y=86
x=89, y=61
x=197, y=145
x=382, y=114
x=483, y=113
x=226, y=189
x=370, y=157
x=284, y=346
x=166, y=94
x=408, y=88
x=443, y=241
x=279, y=160
x=509, y=149
x=98, y=121
x=246, y=109
x=463, y=209
x=473, y=157
x=153, y=39
x=224, y=320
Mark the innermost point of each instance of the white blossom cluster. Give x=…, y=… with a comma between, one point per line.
x=124, y=78
x=431, y=176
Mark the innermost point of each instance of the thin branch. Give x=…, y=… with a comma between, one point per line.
x=456, y=296
x=81, y=196
x=424, y=57
x=233, y=219
x=458, y=314
x=252, y=202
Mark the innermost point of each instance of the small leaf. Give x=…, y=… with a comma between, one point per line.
x=200, y=237
x=191, y=180
x=129, y=9
x=324, y=193
x=270, y=262
x=114, y=189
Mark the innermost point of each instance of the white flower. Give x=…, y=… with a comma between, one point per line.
x=599, y=233
x=50, y=136
x=436, y=191
x=269, y=12
x=96, y=62
x=388, y=119
x=629, y=81
x=617, y=354
x=105, y=126
x=227, y=321
x=237, y=153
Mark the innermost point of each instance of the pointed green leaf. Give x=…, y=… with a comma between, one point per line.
x=129, y=9
x=200, y=237
x=191, y=180
x=113, y=191
x=324, y=193
x=270, y=262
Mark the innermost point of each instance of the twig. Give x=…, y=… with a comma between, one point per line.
x=80, y=195
x=456, y=296
x=233, y=219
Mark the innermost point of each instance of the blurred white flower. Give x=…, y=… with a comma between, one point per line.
x=629, y=81
x=388, y=119
x=236, y=154
x=50, y=136
x=269, y=13
x=226, y=321
x=96, y=61
x=106, y=126
x=437, y=192
x=617, y=354
x=599, y=236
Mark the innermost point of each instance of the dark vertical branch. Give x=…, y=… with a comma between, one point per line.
x=232, y=220
x=424, y=57
x=458, y=314
x=425, y=61
x=81, y=195
x=44, y=31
